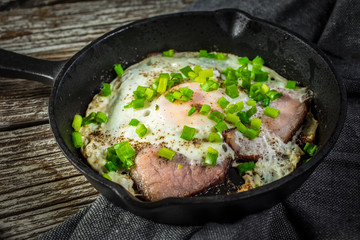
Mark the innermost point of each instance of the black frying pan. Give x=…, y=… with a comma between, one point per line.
x=77, y=80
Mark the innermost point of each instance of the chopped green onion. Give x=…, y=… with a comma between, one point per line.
x=187, y=92
x=214, y=137
x=177, y=95
x=188, y=133
x=138, y=103
x=163, y=81
x=232, y=91
x=232, y=108
x=101, y=117
x=193, y=75
x=251, y=133
x=105, y=175
x=166, y=153
x=255, y=123
x=241, y=127
x=127, y=164
x=111, y=167
x=156, y=107
x=243, y=117
x=140, y=92
x=266, y=102
x=197, y=69
x=264, y=89
x=203, y=53
x=260, y=76
x=141, y=130
x=111, y=155
x=231, y=118
x=216, y=116
x=223, y=102
x=169, y=96
x=206, y=73
x=186, y=70
x=210, y=85
x=149, y=94
x=243, y=60
x=134, y=122
x=118, y=69
x=211, y=157
x=244, y=167
x=191, y=111
x=271, y=112
x=231, y=78
x=273, y=94
x=179, y=166
x=89, y=119
x=106, y=90
x=240, y=105
x=251, y=103
x=254, y=90
x=251, y=111
x=310, y=148
x=77, y=140
x=124, y=151
x=205, y=109
x=258, y=61
x=76, y=124
x=245, y=74
x=221, y=126
x=176, y=77
x=220, y=56
x=291, y=84
x=169, y=53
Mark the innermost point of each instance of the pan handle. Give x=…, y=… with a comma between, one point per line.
x=14, y=65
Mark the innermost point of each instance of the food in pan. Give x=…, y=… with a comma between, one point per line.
x=174, y=124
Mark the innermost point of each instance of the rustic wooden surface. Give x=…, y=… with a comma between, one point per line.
x=39, y=187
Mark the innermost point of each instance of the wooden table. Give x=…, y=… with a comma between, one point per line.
x=39, y=187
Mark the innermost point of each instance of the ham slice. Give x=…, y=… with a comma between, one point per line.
x=158, y=178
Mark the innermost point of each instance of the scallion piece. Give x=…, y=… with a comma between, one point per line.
x=251, y=133
x=205, y=109
x=141, y=130
x=101, y=117
x=260, y=76
x=241, y=127
x=210, y=85
x=243, y=60
x=251, y=111
x=149, y=94
x=76, y=124
x=255, y=123
x=177, y=95
x=211, y=157
x=106, y=90
x=119, y=70
x=187, y=92
x=220, y=56
x=206, y=73
x=273, y=94
x=111, y=167
x=197, y=69
x=138, y=103
x=223, y=102
x=271, y=112
x=232, y=91
x=251, y=103
x=163, y=81
x=105, y=175
x=232, y=108
x=244, y=167
x=211, y=55
x=191, y=111
x=231, y=118
x=258, y=61
x=169, y=53
x=291, y=84
x=240, y=105
x=216, y=116
x=166, y=153
x=243, y=117
x=203, y=53
x=266, y=102
x=214, y=137
x=89, y=119
x=124, y=151
x=221, y=126
x=179, y=166
x=134, y=122
x=77, y=140
x=176, y=77
x=169, y=96
x=310, y=148
x=186, y=70
x=188, y=133
x=264, y=88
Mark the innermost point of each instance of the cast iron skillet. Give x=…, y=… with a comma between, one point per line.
x=76, y=81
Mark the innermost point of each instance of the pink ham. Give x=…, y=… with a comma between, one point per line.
x=158, y=178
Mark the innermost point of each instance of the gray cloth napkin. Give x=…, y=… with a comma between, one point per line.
x=327, y=205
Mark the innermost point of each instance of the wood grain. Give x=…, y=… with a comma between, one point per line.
x=39, y=187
